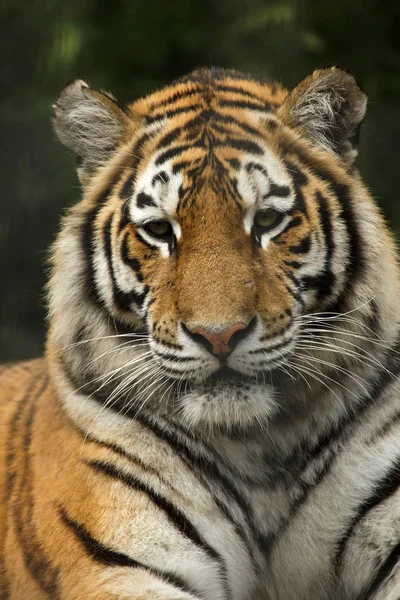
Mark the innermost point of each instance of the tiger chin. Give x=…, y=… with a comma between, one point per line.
x=216, y=416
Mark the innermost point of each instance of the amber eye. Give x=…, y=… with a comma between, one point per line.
x=267, y=219
x=160, y=229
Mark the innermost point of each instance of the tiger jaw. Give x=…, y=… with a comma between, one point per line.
x=227, y=403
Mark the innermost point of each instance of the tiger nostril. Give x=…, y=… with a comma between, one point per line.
x=221, y=343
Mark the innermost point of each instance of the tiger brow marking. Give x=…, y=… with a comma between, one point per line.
x=277, y=191
x=102, y=554
x=144, y=200
x=176, y=517
x=161, y=177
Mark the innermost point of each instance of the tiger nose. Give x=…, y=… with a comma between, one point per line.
x=221, y=342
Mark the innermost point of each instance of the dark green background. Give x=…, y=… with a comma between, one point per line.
x=131, y=47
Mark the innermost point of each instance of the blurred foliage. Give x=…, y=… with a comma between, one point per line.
x=131, y=47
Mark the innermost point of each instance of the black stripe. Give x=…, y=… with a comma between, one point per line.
x=293, y=223
x=169, y=344
x=327, y=279
x=122, y=300
x=292, y=263
x=182, y=164
x=302, y=247
x=100, y=553
x=161, y=176
x=137, y=153
x=384, y=428
x=201, y=465
x=246, y=104
x=236, y=90
x=171, y=113
x=229, y=119
x=304, y=452
x=42, y=570
x=277, y=191
x=177, y=518
x=11, y=477
x=294, y=293
x=321, y=283
x=87, y=236
x=126, y=190
x=133, y=459
x=172, y=153
x=382, y=491
x=143, y=200
x=235, y=163
x=133, y=263
x=142, y=240
x=326, y=448
x=299, y=179
x=356, y=264
x=383, y=574
x=168, y=138
x=177, y=359
x=252, y=166
x=177, y=95
x=88, y=251
x=242, y=144
x=270, y=348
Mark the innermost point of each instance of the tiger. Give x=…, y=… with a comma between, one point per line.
x=217, y=415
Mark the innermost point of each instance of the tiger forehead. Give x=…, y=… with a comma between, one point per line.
x=241, y=180
x=213, y=89
x=192, y=156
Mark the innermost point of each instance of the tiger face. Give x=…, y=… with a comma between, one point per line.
x=216, y=214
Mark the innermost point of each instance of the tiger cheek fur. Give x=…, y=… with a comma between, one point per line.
x=217, y=413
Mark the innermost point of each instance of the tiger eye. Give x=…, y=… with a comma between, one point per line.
x=267, y=219
x=159, y=228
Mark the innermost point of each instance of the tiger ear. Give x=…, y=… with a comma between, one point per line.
x=328, y=107
x=91, y=124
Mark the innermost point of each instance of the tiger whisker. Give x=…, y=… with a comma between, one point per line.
x=343, y=370
x=361, y=356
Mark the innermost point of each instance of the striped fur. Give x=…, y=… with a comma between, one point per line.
x=135, y=462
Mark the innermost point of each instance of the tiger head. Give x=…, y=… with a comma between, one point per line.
x=216, y=214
